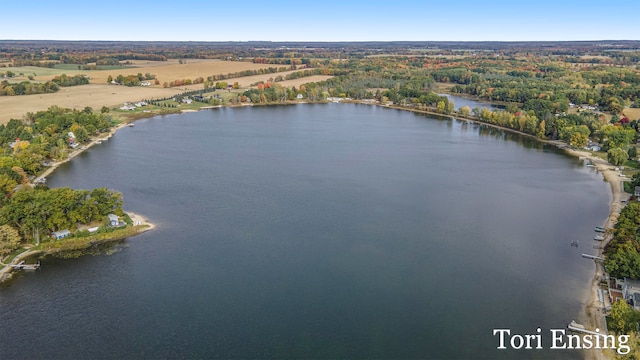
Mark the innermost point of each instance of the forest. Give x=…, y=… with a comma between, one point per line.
x=30, y=145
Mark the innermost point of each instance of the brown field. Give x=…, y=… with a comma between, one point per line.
x=98, y=94
x=170, y=70
x=632, y=113
x=77, y=97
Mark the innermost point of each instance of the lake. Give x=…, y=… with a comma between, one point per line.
x=461, y=101
x=317, y=231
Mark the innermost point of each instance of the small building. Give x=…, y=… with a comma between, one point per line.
x=61, y=234
x=127, y=107
x=631, y=292
x=299, y=96
x=636, y=191
x=113, y=219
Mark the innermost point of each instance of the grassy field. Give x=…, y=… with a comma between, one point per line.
x=42, y=73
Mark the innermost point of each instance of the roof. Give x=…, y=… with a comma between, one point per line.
x=113, y=217
x=61, y=233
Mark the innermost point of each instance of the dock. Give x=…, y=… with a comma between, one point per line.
x=592, y=257
x=22, y=266
x=575, y=327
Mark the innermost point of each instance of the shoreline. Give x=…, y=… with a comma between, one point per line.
x=7, y=272
x=592, y=308
x=139, y=221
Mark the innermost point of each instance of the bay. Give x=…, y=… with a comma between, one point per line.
x=318, y=231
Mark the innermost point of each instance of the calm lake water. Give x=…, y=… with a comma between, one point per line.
x=317, y=231
x=460, y=101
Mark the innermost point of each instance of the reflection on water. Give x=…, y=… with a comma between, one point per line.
x=324, y=231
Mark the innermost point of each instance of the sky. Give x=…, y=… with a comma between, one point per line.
x=326, y=20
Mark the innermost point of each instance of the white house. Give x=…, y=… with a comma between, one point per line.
x=61, y=234
x=113, y=219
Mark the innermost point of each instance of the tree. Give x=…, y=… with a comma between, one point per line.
x=578, y=139
x=632, y=152
x=9, y=240
x=624, y=319
x=617, y=156
x=464, y=111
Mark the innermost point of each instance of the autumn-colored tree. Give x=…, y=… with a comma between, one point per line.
x=9, y=239
x=464, y=111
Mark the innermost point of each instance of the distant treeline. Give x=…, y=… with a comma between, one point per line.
x=30, y=88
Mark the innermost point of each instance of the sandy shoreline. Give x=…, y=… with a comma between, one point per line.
x=593, y=307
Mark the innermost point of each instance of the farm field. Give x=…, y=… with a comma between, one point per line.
x=171, y=70
x=164, y=70
x=98, y=94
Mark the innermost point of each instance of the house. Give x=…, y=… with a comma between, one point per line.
x=113, y=219
x=61, y=234
x=631, y=292
x=300, y=96
x=636, y=191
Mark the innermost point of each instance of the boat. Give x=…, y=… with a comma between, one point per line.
x=598, y=237
x=130, y=125
x=574, y=243
x=599, y=229
x=23, y=266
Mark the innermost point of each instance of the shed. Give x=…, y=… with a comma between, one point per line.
x=113, y=219
x=61, y=234
x=636, y=191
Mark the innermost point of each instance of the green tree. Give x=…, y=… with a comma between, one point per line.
x=632, y=152
x=624, y=319
x=578, y=139
x=623, y=261
x=617, y=156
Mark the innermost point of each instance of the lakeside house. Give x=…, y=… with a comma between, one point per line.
x=61, y=234
x=631, y=292
x=127, y=107
x=113, y=220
